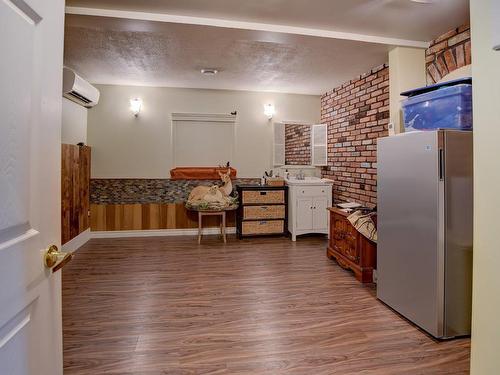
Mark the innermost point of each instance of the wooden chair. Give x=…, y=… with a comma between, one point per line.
x=222, y=214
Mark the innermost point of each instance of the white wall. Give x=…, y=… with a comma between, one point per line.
x=124, y=146
x=74, y=123
x=486, y=282
x=406, y=72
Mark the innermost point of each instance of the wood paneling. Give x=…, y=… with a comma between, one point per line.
x=110, y=217
x=75, y=190
x=261, y=306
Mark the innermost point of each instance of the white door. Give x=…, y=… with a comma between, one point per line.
x=31, y=45
x=320, y=216
x=304, y=214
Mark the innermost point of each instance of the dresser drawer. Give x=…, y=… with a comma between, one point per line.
x=262, y=227
x=264, y=212
x=263, y=196
x=312, y=191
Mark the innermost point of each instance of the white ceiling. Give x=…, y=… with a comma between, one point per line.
x=403, y=19
x=126, y=52
x=144, y=52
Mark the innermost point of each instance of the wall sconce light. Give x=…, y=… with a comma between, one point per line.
x=269, y=111
x=135, y=106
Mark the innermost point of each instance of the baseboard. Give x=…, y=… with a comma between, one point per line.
x=157, y=232
x=77, y=242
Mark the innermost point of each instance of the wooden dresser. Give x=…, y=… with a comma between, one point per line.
x=350, y=248
x=262, y=210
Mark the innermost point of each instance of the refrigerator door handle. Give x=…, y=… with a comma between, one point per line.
x=441, y=164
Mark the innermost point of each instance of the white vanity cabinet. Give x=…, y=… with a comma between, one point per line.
x=307, y=207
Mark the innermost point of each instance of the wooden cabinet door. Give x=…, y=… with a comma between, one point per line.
x=351, y=250
x=320, y=213
x=338, y=233
x=304, y=215
x=75, y=191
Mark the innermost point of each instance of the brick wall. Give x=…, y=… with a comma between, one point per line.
x=297, y=144
x=447, y=53
x=357, y=113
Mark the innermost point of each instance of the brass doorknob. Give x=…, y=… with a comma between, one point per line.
x=56, y=259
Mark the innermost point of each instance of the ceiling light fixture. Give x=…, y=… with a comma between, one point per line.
x=423, y=1
x=209, y=71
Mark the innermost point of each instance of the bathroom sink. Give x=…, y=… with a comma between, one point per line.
x=309, y=180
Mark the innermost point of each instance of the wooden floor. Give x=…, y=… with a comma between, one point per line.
x=260, y=306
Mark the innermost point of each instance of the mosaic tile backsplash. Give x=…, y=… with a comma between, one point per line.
x=131, y=191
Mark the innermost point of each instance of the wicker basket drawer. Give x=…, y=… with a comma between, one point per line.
x=262, y=227
x=263, y=196
x=264, y=212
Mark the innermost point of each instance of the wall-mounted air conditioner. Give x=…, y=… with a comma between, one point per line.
x=75, y=88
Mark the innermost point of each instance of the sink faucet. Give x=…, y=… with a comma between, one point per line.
x=300, y=175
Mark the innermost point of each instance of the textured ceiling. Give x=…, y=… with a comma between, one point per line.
x=403, y=19
x=133, y=52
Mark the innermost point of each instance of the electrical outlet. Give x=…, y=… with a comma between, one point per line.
x=391, y=129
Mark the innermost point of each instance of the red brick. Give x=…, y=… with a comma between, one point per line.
x=459, y=38
x=445, y=36
x=463, y=28
x=468, y=58
x=441, y=65
x=298, y=136
x=434, y=73
x=459, y=52
x=356, y=120
x=437, y=48
x=448, y=52
x=449, y=58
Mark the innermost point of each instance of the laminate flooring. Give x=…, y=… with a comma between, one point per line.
x=166, y=305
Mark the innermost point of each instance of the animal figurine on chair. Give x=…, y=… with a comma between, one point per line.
x=227, y=188
x=213, y=194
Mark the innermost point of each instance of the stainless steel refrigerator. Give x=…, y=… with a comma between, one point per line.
x=424, y=250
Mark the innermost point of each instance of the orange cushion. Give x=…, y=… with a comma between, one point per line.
x=199, y=173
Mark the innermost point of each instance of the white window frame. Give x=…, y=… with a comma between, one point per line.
x=178, y=118
x=323, y=145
